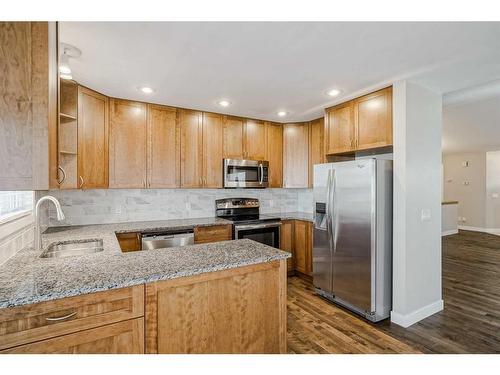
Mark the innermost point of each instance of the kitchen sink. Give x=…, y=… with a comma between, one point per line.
x=73, y=248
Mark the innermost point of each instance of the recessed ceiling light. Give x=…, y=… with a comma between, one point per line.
x=334, y=92
x=146, y=90
x=66, y=76
x=282, y=113
x=224, y=103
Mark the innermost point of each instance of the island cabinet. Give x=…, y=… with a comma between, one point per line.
x=127, y=144
x=240, y=310
x=201, y=149
x=361, y=124
x=244, y=138
x=102, y=322
x=296, y=155
x=274, y=153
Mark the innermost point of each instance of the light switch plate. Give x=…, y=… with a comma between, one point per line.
x=425, y=214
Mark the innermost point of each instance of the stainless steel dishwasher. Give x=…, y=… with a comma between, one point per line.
x=166, y=239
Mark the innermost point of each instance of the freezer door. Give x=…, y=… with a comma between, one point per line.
x=354, y=229
x=322, y=239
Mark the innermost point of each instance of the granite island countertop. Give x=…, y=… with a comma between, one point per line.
x=26, y=278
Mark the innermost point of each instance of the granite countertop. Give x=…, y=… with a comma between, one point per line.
x=26, y=278
x=304, y=216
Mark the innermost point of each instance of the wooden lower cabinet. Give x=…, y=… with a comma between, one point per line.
x=118, y=338
x=213, y=233
x=296, y=238
x=303, y=246
x=30, y=326
x=286, y=242
x=241, y=310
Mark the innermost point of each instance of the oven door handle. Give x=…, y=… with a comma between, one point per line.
x=256, y=226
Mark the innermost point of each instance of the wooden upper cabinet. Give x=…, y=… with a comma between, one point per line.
x=127, y=144
x=274, y=153
x=163, y=147
x=191, y=148
x=373, y=119
x=296, y=155
x=360, y=124
x=212, y=150
x=233, y=131
x=340, y=129
x=255, y=140
x=92, y=139
x=316, y=146
x=28, y=85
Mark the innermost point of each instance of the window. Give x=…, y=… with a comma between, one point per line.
x=14, y=204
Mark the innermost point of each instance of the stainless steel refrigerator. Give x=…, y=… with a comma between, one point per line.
x=352, y=242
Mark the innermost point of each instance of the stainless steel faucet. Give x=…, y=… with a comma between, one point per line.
x=60, y=216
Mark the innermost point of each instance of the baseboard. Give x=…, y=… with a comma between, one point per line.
x=304, y=276
x=495, y=231
x=416, y=316
x=449, y=232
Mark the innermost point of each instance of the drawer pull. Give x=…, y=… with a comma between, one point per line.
x=61, y=317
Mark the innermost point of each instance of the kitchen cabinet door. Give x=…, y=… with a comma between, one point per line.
x=286, y=242
x=119, y=338
x=296, y=155
x=340, y=128
x=274, y=153
x=233, y=130
x=164, y=154
x=255, y=140
x=127, y=144
x=303, y=247
x=28, y=85
x=373, y=120
x=212, y=150
x=316, y=146
x=92, y=139
x=191, y=148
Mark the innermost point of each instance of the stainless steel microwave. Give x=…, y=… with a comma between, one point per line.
x=246, y=173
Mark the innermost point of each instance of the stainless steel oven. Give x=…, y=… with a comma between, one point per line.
x=246, y=173
x=266, y=233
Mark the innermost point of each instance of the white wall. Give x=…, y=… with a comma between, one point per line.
x=492, y=199
x=467, y=185
x=417, y=122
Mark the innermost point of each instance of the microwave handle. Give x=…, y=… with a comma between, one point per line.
x=261, y=179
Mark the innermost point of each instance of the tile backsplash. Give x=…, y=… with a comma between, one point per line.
x=83, y=207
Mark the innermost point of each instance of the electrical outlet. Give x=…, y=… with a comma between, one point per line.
x=118, y=209
x=494, y=195
x=425, y=214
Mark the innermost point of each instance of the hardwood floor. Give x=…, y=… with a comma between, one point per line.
x=469, y=323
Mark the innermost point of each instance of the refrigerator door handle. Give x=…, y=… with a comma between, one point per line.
x=335, y=221
x=328, y=209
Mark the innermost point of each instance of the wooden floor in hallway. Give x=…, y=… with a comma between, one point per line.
x=470, y=322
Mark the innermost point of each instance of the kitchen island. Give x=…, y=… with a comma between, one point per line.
x=222, y=297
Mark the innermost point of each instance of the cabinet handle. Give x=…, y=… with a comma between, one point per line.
x=61, y=317
x=63, y=175
x=143, y=183
x=81, y=181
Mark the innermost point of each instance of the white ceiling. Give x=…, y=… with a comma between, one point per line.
x=265, y=67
